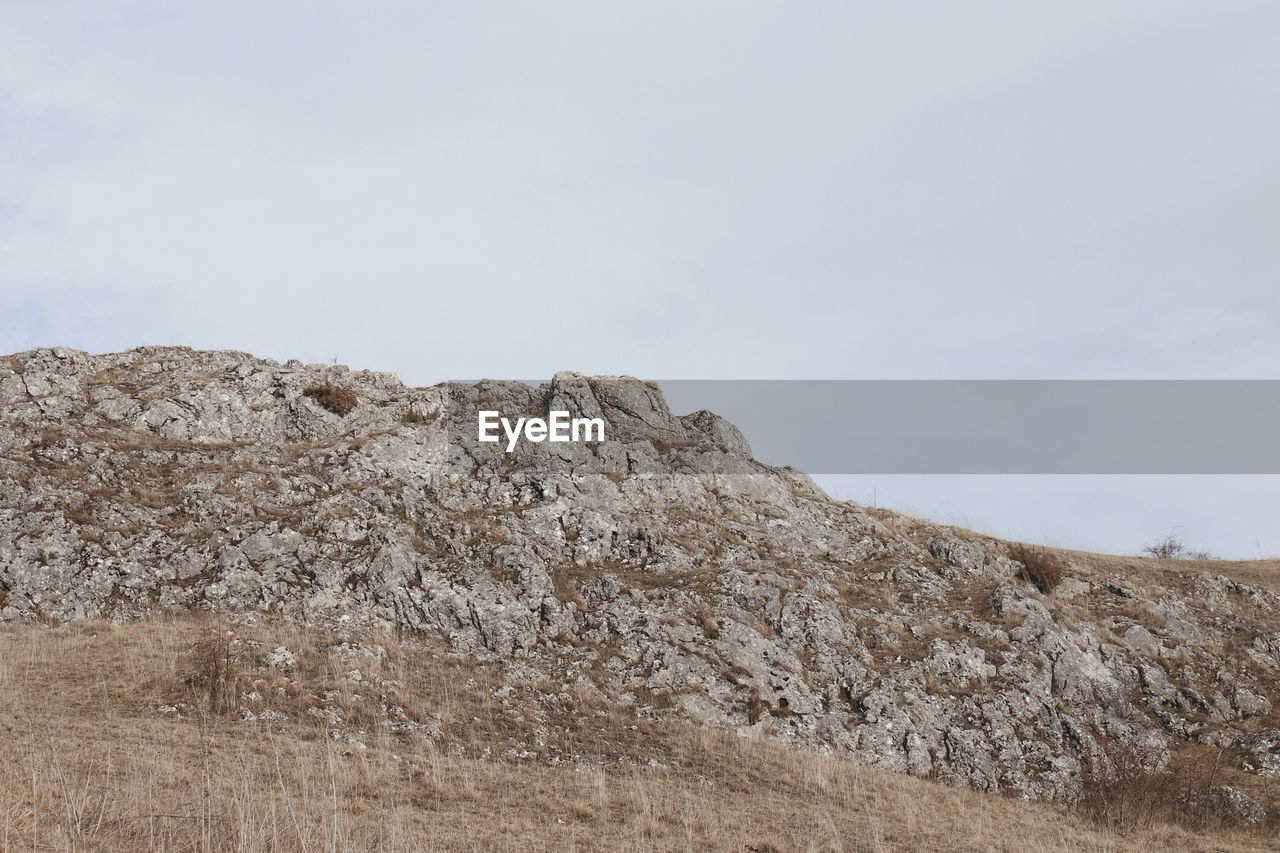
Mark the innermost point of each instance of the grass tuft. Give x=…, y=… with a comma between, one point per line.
x=1042, y=569
x=340, y=401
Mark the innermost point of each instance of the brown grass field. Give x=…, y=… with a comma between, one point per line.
x=88, y=762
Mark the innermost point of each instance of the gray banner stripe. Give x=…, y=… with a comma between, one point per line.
x=997, y=426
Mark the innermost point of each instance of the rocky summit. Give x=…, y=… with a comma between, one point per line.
x=662, y=569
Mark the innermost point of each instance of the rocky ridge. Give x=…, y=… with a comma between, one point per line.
x=663, y=569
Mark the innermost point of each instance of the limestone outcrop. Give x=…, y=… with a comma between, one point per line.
x=664, y=568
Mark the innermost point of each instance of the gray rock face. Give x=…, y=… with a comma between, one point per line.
x=1224, y=800
x=664, y=567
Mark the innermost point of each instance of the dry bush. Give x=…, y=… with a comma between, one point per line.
x=1040, y=567
x=1122, y=793
x=212, y=673
x=1168, y=548
x=340, y=401
x=414, y=415
x=1171, y=547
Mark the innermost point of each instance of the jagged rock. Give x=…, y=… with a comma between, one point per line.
x=1142, y=641
x=664, y=568
x=1263, y=751
x=1228, y=802
x=281, y=658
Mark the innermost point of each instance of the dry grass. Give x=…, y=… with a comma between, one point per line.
x=1122, y=792
x=91, y=764
x=340, y=401
x=1040, y=567
x=1264, y=573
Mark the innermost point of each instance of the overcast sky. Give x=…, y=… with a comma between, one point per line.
x=709, y=190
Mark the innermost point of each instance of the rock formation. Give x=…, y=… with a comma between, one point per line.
x=664, y=568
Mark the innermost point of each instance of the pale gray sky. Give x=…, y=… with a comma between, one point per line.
x=712, y=190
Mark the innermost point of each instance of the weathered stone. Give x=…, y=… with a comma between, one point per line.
x=664, y=567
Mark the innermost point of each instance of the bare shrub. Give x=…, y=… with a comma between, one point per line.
x=1206, y=804
x=1168, y=548
x=1041, y=568
x=340, y=401
x=1121, y=792
x=212, y=673
x=1172, y=547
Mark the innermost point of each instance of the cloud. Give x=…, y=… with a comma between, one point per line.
x=870, y=191
x=715, y=190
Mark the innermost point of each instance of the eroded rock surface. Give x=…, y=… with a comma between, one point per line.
x=664, y=567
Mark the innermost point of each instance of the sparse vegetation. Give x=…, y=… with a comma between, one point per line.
x=211, y=672
x=417, y=416
x=1040, y=567
x=1122, y=792
x=710, y=627
x=102, y=754
x=1171, y=547
x=681, y=598
x=340, y=401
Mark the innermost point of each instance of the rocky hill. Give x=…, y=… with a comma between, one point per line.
x=663, y=569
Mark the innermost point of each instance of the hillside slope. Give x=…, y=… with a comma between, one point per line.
x=663, y=570
x=190, y=734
